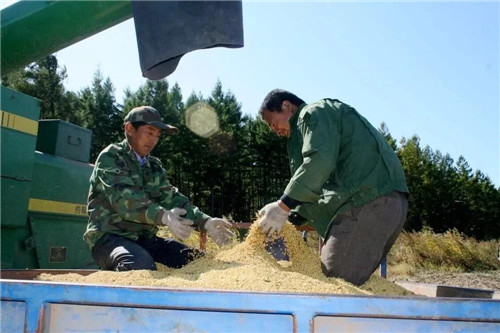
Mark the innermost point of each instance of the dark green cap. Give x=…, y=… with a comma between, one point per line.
x=150, y=116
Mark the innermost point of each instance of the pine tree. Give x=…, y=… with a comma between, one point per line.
x=101, y=114
x=44, y=79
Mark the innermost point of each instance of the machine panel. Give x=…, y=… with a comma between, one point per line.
x=59, y=241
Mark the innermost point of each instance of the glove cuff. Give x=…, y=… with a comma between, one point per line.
x=202, y=224
x=281, y=212
x=159, y=216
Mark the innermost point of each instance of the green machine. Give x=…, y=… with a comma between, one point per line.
x=43, y=191
x=45, y=163
x=45, y=166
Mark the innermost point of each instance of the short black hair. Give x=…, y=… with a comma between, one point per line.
x=137, y=124
x=273, y=100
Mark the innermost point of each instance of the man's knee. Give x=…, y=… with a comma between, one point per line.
x=170, y=252
x=117, y=253
x=356, y=277
x=124, y=260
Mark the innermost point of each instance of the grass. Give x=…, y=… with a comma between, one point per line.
x=451, y=251
x=426, y=251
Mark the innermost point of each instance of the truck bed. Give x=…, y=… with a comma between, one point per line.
x=38, y=306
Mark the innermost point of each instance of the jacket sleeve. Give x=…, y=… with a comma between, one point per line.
x=112, y=178
x=319, y=128
x=171, y=198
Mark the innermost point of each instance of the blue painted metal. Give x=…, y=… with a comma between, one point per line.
x=12, y=316
x=66, y=307
x=383, y=268
x=379, y=325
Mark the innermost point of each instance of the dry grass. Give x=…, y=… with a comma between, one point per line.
x=447, y=252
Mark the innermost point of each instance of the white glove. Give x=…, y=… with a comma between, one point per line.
x=272, y=218
x=218, y=230
x=178, y=225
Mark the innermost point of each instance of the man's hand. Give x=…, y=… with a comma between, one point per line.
x=218, y=230
x=272, y=217
x=178, y=225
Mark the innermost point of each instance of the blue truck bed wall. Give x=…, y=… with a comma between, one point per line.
x=36, y=306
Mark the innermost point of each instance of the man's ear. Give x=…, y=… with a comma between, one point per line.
x=128, y=128
x=285, y=106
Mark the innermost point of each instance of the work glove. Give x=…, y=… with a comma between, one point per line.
x=218, y=230
x=272, y=218
x=178, y=225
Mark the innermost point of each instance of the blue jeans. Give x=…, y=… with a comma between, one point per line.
x=117, y=253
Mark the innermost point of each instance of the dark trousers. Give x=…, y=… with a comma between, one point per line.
x=116, y=253
x=361, y=237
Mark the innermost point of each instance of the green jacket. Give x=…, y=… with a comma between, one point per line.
x=338, y=161
x=129, y=200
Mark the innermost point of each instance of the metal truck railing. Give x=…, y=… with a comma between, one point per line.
x=36, y=306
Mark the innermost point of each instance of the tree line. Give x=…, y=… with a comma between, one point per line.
x=244, y=165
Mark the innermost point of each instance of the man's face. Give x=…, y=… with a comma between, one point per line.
x=278, y=121
x=143, y=139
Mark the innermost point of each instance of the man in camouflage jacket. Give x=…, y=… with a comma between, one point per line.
x=130, y=196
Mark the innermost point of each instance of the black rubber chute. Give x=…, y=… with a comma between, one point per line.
x=166, y=30
x=277, y=248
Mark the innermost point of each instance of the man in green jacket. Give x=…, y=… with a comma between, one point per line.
x=347, y=182
x=130, y=196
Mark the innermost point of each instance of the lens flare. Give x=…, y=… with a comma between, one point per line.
x=202, y=119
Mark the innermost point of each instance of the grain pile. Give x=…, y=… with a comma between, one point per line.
x=244, y=266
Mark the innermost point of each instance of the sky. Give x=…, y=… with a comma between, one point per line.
x=424, y=68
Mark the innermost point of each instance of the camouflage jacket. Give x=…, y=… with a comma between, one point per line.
x=129, y=200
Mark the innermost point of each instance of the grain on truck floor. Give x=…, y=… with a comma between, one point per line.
x=244, y=266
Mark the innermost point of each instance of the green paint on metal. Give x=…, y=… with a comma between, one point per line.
x=16, y=249
x=17, y=147
x=17, y=161
x=64, y=139
x=18, y=103
x=17, y=155
x=59, y=241
x=60, y=179
x=15, y=196
x=33, y=29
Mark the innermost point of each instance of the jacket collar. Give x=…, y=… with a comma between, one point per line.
x=127, y=148
x=293, y=119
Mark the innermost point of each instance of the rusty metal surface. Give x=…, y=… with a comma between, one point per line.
x=247, y=225
x=242, y=225
x=31, y=274
x=203, y=240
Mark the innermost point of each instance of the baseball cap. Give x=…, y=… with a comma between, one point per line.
x=151, y=116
